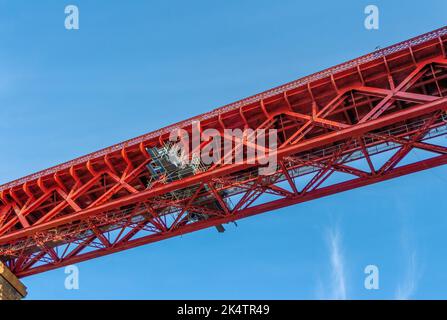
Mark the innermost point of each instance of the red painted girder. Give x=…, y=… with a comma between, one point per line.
x=343, y=132
x=266, y=207
x=353, y=131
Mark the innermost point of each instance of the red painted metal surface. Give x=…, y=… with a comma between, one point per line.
x=346, y=127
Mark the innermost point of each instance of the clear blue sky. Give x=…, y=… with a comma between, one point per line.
x=138, y=65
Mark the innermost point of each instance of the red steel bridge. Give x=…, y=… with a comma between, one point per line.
x=373, y=110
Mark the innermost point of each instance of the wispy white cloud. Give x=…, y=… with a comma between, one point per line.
x=336, y=290
x=408, y=287
x=337, y=265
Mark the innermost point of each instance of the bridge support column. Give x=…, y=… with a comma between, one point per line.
x=10, y=286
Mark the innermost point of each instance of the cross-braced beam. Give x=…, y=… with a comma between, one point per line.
x=332, y=127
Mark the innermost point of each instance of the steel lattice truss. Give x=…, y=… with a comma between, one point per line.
x=372, y=111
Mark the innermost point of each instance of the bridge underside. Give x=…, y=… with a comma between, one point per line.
x=375, y=118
